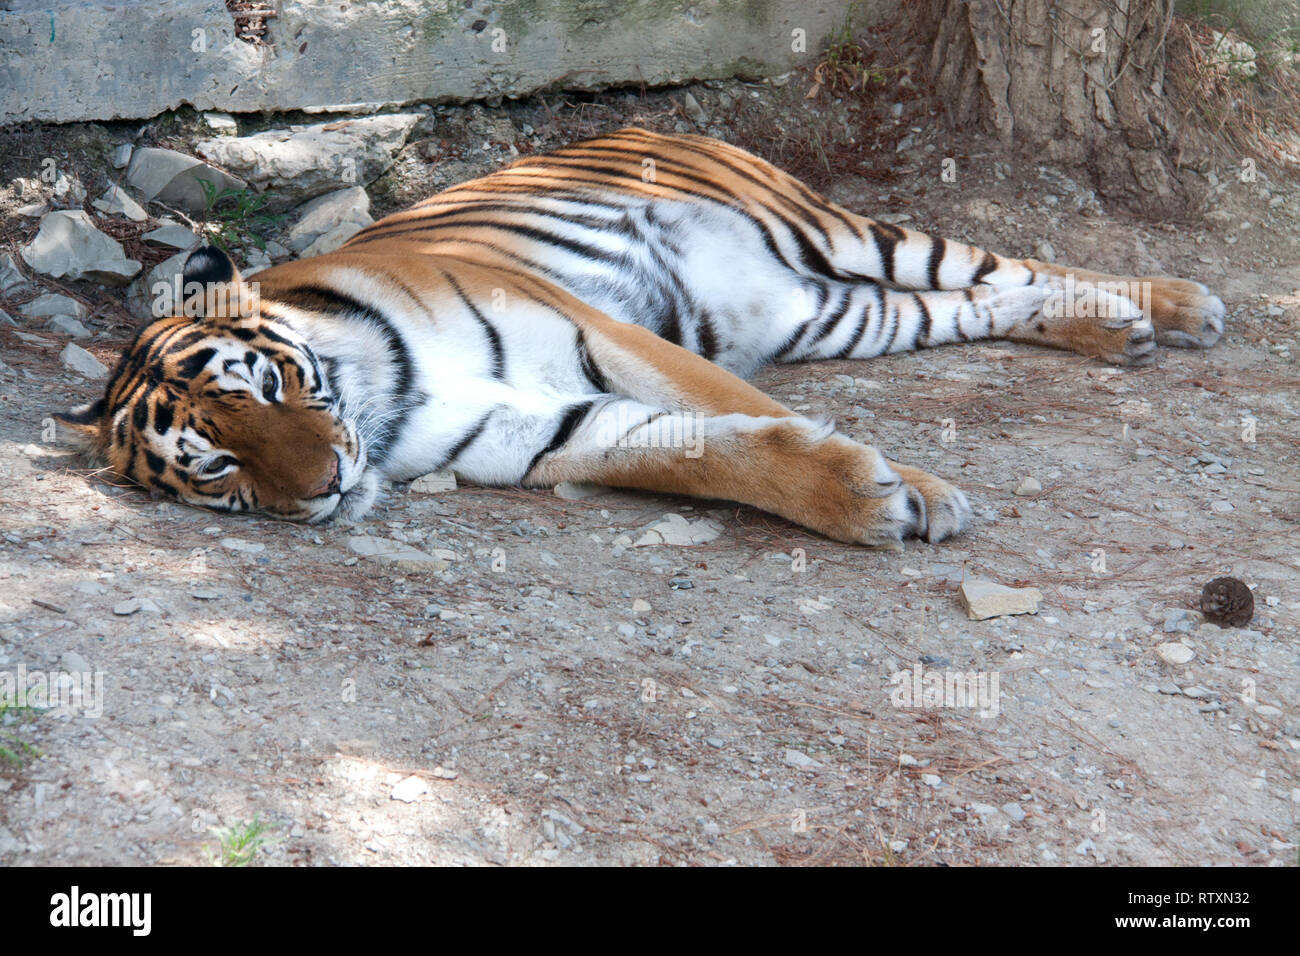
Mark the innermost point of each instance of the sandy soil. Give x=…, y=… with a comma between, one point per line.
x=745, y=716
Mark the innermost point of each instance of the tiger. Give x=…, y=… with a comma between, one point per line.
x=588, y=315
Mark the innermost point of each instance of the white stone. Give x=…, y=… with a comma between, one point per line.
x=239, y=544
x=675, y=529
x=984, y=599
x=1174, y=652
x=122, y=155
x=577, y=490
x=800, y=760
x=1028, y=486
x=409, y=789
x=82, y=362
x=388, y=550
x=222, y=123
x=435, y=482
x=640, y=606
x=68, y=246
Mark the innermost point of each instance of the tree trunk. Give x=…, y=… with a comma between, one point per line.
x=1078, y=83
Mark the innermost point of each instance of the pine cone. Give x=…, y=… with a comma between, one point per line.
x=1227, y=602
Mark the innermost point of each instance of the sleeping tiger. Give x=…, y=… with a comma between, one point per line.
x=588, y=315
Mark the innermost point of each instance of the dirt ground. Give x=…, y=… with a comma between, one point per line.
x=559, y=695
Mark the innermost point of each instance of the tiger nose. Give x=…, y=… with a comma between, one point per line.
x=330, y=486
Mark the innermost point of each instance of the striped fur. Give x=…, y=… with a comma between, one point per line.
x=589, y=315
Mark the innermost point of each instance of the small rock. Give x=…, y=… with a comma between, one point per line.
x=640, y=606
x=10, y=276
x=74, y=663
x=78, y=360
x=1173, y=652
x=435, y=482
x=116, y=202
x=1015, y=811
x=121, y=155
x=128, y=607
x=239, y=544
x=52, y=304
x=409, y=789
x=172, y=234
x=984, y=599
x=800, y=760
x=1028, y=486
x=675, y=529
x=222, y=123
x=692, y=108
x=67, y=325
x=1045, y=252
x=576, y=491
x=387, y=550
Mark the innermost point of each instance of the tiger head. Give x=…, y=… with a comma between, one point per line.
x=224, y=408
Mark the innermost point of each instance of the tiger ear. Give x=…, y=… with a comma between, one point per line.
x=84, y=429
x=212, y=287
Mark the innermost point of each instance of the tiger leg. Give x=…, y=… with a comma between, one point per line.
x=750, y=448
x=862, y=320
x=1182, y=313
x=794, y=467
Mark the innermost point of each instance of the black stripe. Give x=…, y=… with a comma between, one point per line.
x=886, y=241
x=832, y=321
x=855, y=338
x=465, y=441
x=938, y=248
x=922, y=330
x=490, y=330
x=571, y=419
x=321, y=298
x=588, y=364
x=987, y=265
x=894, y=324
x=706, y=335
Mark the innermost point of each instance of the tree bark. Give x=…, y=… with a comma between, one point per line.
x=1078, y=83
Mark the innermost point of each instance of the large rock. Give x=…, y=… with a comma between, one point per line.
x=176, y=179
x=331, y=219
x=293, y=165
x=70, y=60
x=68, y=246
